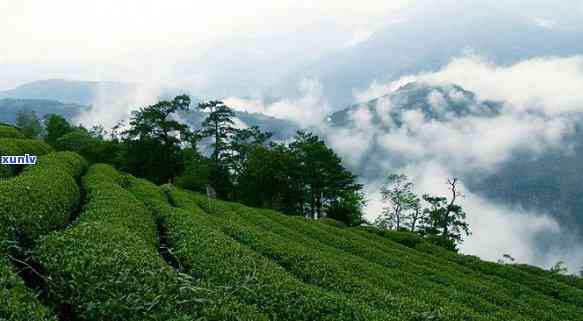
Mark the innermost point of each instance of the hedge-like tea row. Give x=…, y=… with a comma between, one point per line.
x=18, y=303
x=16, y=147
x=467, y=287
x=335, y=270
x=208, y=254
x=557, y=291
x=10, y=132
x=42, y=197
x=107, y=266
x=453, y=299
x=571, y=280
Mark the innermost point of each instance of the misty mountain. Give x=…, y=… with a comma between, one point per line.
x=457, y=102
x=10, y=107
x=67, y=91
x=426, y=42
x=541, y=180
x=71, y=98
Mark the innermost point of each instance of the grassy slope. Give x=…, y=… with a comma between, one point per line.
x=237, y=262
x=390, y=276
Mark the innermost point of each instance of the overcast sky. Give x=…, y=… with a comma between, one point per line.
x=123, y=39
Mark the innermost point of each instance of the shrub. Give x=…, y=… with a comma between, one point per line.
x=332, y=222
x=17, y=303
x=107, y=266
x=10, y=132
x=551, y=296
x=321, y=265
x=208, y=254
x=514, y=301
x=42, y=197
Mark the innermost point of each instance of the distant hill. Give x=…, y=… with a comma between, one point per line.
x=70, y=98
x=10, y=107
x=549, y=180
x=67, y=91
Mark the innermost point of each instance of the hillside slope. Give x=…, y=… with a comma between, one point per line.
x=105, y=245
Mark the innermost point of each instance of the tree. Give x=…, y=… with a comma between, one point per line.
x=154, y=140
x=559, y=268
x=219, y=126
x=266, y=179
x=318, y=175
x=398, y=193
x=446, y=218
x=29, y=124
x=506, y=259
x=242, y=142
x=415, y=216
x=348, y=208
x=55, y=127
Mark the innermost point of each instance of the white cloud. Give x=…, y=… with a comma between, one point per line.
x=108, y=109
x=543, y=100
x=545, y=23
x=308, y=110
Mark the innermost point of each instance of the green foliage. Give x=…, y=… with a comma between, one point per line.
x=397, y=191
x=524, y=286
x=55, y=127
x=319, y=176
x=15, y=147
x=197, y=170
x=559, y=268
x=208, y=254
x=42, y=197
x=7, y=131
x=322, y=265
x=153, y=140
x=107, y=267
x=17, y=303
x=29, y=124
x=219, y=126
x=347, y=208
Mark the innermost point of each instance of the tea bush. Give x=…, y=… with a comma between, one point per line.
x=107, y=266
x=17, y=302
x=10, y=132
x=337, y=271
x=42, y=197
x=206, y=253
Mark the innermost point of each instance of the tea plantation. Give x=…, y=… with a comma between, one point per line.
x=87, y=242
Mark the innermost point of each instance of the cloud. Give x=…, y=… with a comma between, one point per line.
x=308, y=110
x=108, y=108
x=545, y=23
x=542, y=102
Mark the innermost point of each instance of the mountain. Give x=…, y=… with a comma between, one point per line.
x=457, y=102
x=10, y=107
x=423, y=42
x=71, y=98
x=424, y=123
x=68, y=91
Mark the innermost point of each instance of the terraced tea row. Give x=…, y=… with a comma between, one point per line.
x=207, y=254
x=31, y=205
x=419, y=268
x=548, y=286
x=337, y=271
x=106, y=266
x=513, y=300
